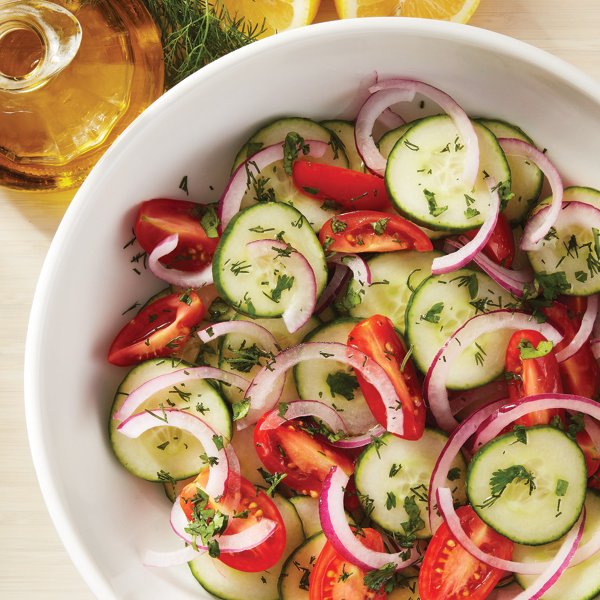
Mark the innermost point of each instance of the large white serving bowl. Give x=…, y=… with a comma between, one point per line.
x=105, y=517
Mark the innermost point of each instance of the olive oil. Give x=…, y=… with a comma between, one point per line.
x=73, y=75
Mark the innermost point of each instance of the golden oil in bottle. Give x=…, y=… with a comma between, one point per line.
x=73, y=75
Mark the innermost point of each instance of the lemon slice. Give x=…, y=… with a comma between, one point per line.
x=277, y=15
x=459, y=11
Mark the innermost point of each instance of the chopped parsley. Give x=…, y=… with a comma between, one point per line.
x=342, y=383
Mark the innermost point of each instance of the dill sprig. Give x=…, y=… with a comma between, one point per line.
x=195, y=32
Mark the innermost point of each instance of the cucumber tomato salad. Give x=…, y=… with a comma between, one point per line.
x=372, y=371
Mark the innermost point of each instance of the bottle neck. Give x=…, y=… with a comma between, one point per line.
x=38, y=39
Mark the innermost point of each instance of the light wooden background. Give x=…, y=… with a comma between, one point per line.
x=33, y=563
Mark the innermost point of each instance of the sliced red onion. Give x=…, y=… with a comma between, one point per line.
x=339, y=533
x=466, y=253
x=231, y=200
x=458, y=438
x=140, y=394
x=540, y=226
x=303, y=299
x=391, y=91
x=463, y=337
x=513, y=281
x=388, y=118
x=359, y=441
x=218, y=475
x=249, y=538
x=584, y=332
x=306, y=408
x=489, y=392
x=249, y=329
x=358, y=265
x=185, y=279
x=592, y=428
x=266, y=388
x=333, y=287
x=153, y=558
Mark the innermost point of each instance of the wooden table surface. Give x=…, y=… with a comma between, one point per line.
x=33, y=562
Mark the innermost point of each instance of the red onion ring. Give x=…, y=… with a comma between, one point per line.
x=340, y=535
x=140, y=394
x=534, y=233
x=391, y=91
x=513, y=281
x=358, y=265
x=359, y=441
x=388, y=118
x=184, y=279
x=231, y=200
x=584, y=331
x=306, y=408
x=466, y=253
x=333, y=287
x=219, y=473
x=489, y=392
x=266, y=388
x=249, y=329
x=304, y=298
x=435, y=380
x=596, y=348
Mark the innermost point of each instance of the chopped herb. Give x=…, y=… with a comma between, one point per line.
x=471, y=212
x=433, y=314
x=163, y=445
x=259, y=229
x=184, y=185
x=166, y=477
x=380, y=578
x=561, y=487
x=395, y=469
x=344, y=576
x=210, y=222
x=390, y=500
x=342, y=383
x=380, y=225
x=411, y=146
x=310, y=190
x=211, y=461
x=470, y=282
x=201, y=408
x=284, y=282
x=240, y=266
x=240, y=409
x=454, y=474
x=553, y=284
x=576, y=424
x=520, y=433
x=434, y=209
x=273, y=480
x=500, y=480
x=338, y=226
x=245, y=358
x=527, y=350
x=282, y=409
x=292, y=147
x=377, y=443
x=406, y=358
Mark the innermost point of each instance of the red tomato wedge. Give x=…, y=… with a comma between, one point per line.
x=378, y=339
x=254, y=505
x=333, y=577
x=306, y=459
x=535, y=375
x=580, y=374
x=159, y=329
x=501, y=246
x=352, y=190
x=196, y=225
x=372, y=231
x=449, y=572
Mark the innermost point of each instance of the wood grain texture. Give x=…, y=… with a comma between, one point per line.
x=33, y=562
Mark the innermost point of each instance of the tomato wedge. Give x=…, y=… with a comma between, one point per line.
x=254, y=505
x=333, y=577
x=378, y=339
x=350, y=189
x=372, y=231
x=159, y=329
x=196, y=225
x=590, y=452
x=536, y=375
x=449, y=572
x=501, y=246
x=306, y=459
x=580, y=374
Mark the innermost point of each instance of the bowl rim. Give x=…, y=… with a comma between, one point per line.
x=73, y=541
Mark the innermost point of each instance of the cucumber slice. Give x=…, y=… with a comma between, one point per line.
x=312, y=378
x=574, y=193
x=392, y=469
x=526, y=178
x=439, y=306
x=308, y=511
x=529, y=513
x=395, y=276
x=581, y=582
x=167, y=449
x=235, y=347
x=294, y=578
x=274, y=181
x=345, y=132
x=390, y=138
x=424, y=175
x=231, y=584
x=248, y=283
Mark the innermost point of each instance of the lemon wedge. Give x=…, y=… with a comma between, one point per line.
x=459, y=11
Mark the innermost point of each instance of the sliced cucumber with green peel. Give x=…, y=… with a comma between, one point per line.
x=250, y=284
x=424, y=175
x=393, y=469
x=581, y=582
x=526, y=178
x=529, y=485
x=394, y=275
x=390, y=138
x=166, y=450
x=574, y=193
x=273, y=182
x=307, y=508
x=345, y=132
x=230, y=584
x=439, y=306
x=295, y=574
x=331, y=382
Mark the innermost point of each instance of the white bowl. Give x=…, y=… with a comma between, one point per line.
x=104, y=516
